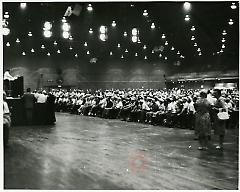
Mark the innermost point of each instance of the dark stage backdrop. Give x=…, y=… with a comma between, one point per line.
x=44, y=71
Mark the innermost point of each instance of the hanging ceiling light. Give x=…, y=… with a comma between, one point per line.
x=198, y=49
x=103, y=37
x=199, y=53
x=23, y=5
x=195, y=45
x=90, y=31
x=76, y=55
x=152, y=51
x=145, y=13
x=58, y=51
x=85, y=44
x=89, y=7
x=47, y=25
x=145, y=57
x=110, y=53
x=8, y=44
x=193, y=28
x=23, y=53
x=163, y=36
x=165, y=58
x=192, y=38
x=153, y=26
x=114, y=24
x=70, y=38
x=172, y=48
x=136, y=54
x=187, y=18
x=43, y=47
x=144, y=47
x=160, y=55
x=5, y=31
x=65, y=34
x=122, y=56
x=187, y=6
x=48, y=54
x=65, y=27
x=230, y=22
x=233, y=6
x=64, y=20
x=223, y=40
x=178, y=53
x=223, y=46
x=70, y=48
x=30, y=34
x=47, y=34
x=125, y=34
x=6, y=15
x=134, y=39
x=224, y=32
x=126, y=51
x=221, y=51
x=166, y=43
x=88, y=52
x=17, y=41
x=32, y=50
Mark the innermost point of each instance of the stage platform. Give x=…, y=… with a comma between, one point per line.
x=82, y=152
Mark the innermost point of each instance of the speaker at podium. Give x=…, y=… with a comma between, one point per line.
x=14, y=88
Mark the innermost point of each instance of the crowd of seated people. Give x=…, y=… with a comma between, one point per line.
x=172, y=108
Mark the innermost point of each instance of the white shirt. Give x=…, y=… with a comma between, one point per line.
x=211, y=99
x=41, y=98
x=9, y=77
x=119, y=105
x=5, y=108
x=172, y=107
x=191, y=107
x=145, y=106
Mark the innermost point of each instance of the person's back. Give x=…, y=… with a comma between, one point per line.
x=28, y=100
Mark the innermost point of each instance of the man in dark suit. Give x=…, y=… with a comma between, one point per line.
x=28, y=103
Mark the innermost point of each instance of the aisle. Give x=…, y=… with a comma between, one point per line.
x=92, y=153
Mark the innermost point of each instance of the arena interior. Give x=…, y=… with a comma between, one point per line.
x=121, y=95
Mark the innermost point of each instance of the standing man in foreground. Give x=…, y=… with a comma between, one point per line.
x=28, y=103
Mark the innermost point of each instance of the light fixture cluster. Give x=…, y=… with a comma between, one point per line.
x=160, y=48
x=103, y=33
x=187, y=8
x=223, y=41
x=135, y=35
x=5, y=29
x=90, y=8
x=65, y=28
x=47, y=29
x=23, y=5
x=224, y=32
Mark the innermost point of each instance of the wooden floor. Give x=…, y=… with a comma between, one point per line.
x=91, y=153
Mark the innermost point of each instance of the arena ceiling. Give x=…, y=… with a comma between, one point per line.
x=167, y=31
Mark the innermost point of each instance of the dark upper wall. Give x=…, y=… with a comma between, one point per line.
x=81, y=73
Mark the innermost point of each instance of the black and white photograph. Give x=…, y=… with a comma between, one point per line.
x=120, y=95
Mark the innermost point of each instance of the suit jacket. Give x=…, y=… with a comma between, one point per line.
x=28, y=100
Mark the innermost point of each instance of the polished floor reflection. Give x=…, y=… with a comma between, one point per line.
x=91, y=153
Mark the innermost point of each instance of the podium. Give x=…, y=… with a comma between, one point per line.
x=14, y=88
